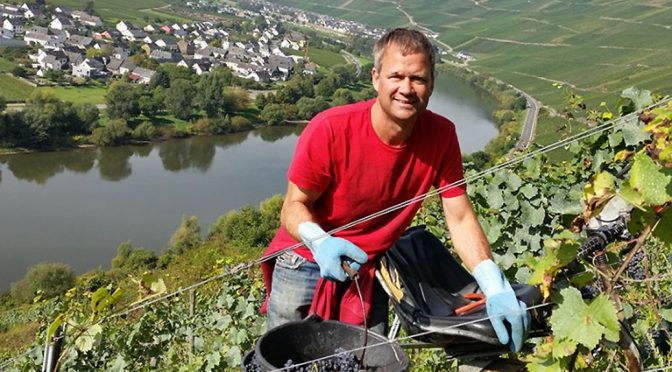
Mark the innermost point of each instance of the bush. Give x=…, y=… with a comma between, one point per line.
x=114, y=133
x=186, y=237
x=239, y=123
x=250, y=227
x=130, y=258
x=53, y=279
x=145, y=131
x=204, y=126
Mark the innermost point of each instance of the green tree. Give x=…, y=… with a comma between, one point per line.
x=130, y=258
x=122, y=101
x=365, y=73
x=309, y=107
x=3, y=103
x=186, y=237
x=235, y=100
x=89, y=7
x=327, y=86
x=180, y=97
x=145, y=131
x=342, y=96
x=114, y=133
x=275, y=114
x=88, y=115
x=52, y=279
x=211, y=94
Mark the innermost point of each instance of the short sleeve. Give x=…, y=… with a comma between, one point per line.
x=450, y=171
x=311, y=166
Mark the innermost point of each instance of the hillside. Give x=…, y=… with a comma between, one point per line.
x=599, y=47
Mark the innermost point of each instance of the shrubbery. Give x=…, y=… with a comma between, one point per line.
x=248, y=226
x=133, y=258
x=52, y=279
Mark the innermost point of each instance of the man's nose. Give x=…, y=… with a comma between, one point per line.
x=406, y=87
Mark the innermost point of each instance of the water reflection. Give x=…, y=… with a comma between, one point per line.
x=184, y=154
x=114, y=164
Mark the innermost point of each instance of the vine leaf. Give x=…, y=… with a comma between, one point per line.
x=89, y=338
x=597, y=192
x=584, y=324
x=641, y=98
x=117, y=365
x=666, y=314
x=647, y=178
x=563, y=347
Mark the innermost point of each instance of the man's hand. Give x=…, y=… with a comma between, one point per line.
x=328, y=251
x=502, y=304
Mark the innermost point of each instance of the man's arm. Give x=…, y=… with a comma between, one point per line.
x=466, y=233
x=297, y=208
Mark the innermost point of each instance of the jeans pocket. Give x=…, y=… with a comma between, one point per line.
x=290, y=260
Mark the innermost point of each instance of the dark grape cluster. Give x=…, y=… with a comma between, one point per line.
x=589, y=292
x=635, y=269
x=253, y=366
x=342, y=361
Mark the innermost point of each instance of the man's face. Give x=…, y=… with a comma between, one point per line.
x=404, y=84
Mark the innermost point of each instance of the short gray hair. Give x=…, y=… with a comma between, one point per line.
x=408, y=40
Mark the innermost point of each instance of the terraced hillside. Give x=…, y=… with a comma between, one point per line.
x=597, y=47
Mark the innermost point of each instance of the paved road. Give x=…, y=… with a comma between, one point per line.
x=352, y=59
x=530, y=123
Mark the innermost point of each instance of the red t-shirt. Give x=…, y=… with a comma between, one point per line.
x=340, y=153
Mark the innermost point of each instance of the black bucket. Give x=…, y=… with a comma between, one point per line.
x=313, y=338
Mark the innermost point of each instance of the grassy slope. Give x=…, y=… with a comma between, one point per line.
x=95, y=95
x=601, y=47
x=14, y=89
x=112, y=11
x=6, y=65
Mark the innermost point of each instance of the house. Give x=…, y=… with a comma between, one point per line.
x=121, y=53
x=61, y=22
x=283, y=64
x=260, y=76
x=123, y=26
x=163, y=56
x=185, y=47
x=31, y=11
x=53, y=60
x=141, y=75
x=180, y=33
x=133, y=34
x=201, y=67
x=204, y=53
x=86, y=19
x=126, y=67
x=75, y=55
x=166, y=43
x=166, y=29
x=82, y=42
x=464, y=56
x=310, y=68
x=294, y=40
x=63, y=10
x=90, y=67
x=14, y=25
x=149, y=28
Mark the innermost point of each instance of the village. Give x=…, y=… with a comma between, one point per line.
x=74, y=46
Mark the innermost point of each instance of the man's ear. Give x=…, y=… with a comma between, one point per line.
x=375, y=78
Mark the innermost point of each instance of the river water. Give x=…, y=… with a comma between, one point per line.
x=77, y=206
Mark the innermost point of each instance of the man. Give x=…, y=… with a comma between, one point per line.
x=355, y=160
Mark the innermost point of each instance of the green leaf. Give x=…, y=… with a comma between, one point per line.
x=233, y=356
x=563, y=347
x=666, y=314
x=648, y=178
x=663, y=230
x=54, y=325
x=584, y=324
x=212, y=360
x=492, y=229
x=222, y=321
x=632, y=196
x=89, y=338
x=615, y=138
x=641, y=98
x=118, y=364
x=513, y=181
x=604, y=312
x=97, y=297
x=158, y=287
x=494, y=197
x=529, y=191
x=633, y=132
x=531, y=216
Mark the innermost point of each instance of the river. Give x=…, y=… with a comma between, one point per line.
x=77, y=206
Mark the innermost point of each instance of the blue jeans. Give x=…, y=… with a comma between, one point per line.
x=294, y=282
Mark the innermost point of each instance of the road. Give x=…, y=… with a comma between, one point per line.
x=353, y=60
x=530, y=124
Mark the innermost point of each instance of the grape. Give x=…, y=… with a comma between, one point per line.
x=589, y=292
x=635, y=269
x=343, y=361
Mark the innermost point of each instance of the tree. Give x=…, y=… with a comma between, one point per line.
x=346, y=74
x=89, y=7
x=327, y=86
x=235, y=100
x=309, y=107
x=88, y=115
x=3, y=103
x=52, y=279
x=275, y=114
x=179, y=98
x=130, y=258
x=186, y=237
x=211, y=92
x=114, y=133
x=365, y=73
x=122, y=101
x=145, y=131
x=342, y=96
x=19, y=71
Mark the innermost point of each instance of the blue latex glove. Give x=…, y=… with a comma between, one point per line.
x=502, y=304
x=329, y=251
